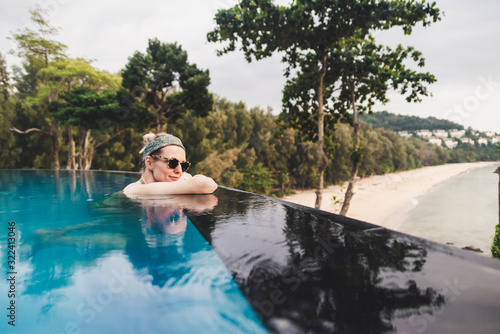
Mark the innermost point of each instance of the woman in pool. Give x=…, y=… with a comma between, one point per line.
x=164, y=170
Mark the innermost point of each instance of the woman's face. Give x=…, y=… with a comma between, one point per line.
x=159, y=167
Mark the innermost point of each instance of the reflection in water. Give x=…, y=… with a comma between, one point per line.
x=339, y=272
x=118, y=265
x=168, y=245
x=166, y=218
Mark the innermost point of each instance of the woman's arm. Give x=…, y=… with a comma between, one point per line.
x=197, y=184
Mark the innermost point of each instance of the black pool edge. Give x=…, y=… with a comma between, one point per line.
x=369, y=227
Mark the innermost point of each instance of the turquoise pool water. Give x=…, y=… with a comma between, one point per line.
x=87, y=263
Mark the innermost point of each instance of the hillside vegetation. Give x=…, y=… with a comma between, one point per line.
x=396, y=123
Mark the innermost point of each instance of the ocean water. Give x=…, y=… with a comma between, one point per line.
x=462, y=211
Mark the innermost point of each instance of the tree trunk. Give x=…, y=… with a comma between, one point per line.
x=159, y=120
x=321, y=134
x=82, y=144
x=55, y=142
x=158, y=127
x=53, y=131
x=90, y=156
x=71, y=164
x=86, y=151
x=355, y=164
x=350, y=190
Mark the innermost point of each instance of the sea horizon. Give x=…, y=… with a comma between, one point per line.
x=461, y=211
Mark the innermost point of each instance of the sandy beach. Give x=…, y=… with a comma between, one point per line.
x=385, y=199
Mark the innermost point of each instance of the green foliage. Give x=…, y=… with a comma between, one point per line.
x=5, y=89
x=9, y=154
x=470, y=153
x=26, y=77
x=262, y=27
x=66, y=74
x=85, y=107
x=21, y=151
x=294, y=163
x=356, y=155
x=495, y=247
x=257, y=179
x=394, y=122
x=232, y=143
x=34, y=43
x=222, y=167
x=387, y=153
x=38, y=52
x=120, y=153
x=368, y=71
x=328, y=46
x=247, y=149
x=165, y=83
x=304, y=165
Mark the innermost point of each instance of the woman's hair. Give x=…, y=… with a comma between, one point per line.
x=146, y=139
x=149, y=137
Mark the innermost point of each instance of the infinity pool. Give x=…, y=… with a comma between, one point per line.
x=83, y=266
x=90, y=260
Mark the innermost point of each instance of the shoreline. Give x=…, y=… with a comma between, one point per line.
x=385, y=200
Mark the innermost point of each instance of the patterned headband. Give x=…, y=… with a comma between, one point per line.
x=160, y=142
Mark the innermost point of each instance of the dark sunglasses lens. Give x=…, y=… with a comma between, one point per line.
x=172, y=163
x=184, y=166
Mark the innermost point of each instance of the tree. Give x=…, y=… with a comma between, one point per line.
x=306, y=32
x=5, y=88
x=36, y=43
x=9, y=154
x=38, y=51
x=367, y=72
x=87, y=109
x=166, y=83
x=62, y=76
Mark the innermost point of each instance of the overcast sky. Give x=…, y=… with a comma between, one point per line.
x=462, y=50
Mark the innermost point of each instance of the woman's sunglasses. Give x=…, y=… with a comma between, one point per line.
x=173, y=162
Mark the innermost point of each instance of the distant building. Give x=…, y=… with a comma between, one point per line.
x=494, y=140
x=435, y=141
x=424, y=134
x=440, y=133
x=489, y=133
x=405, y=134
x=468, y=141
x=457, y=133
x=482, y=141
x=450, y=143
